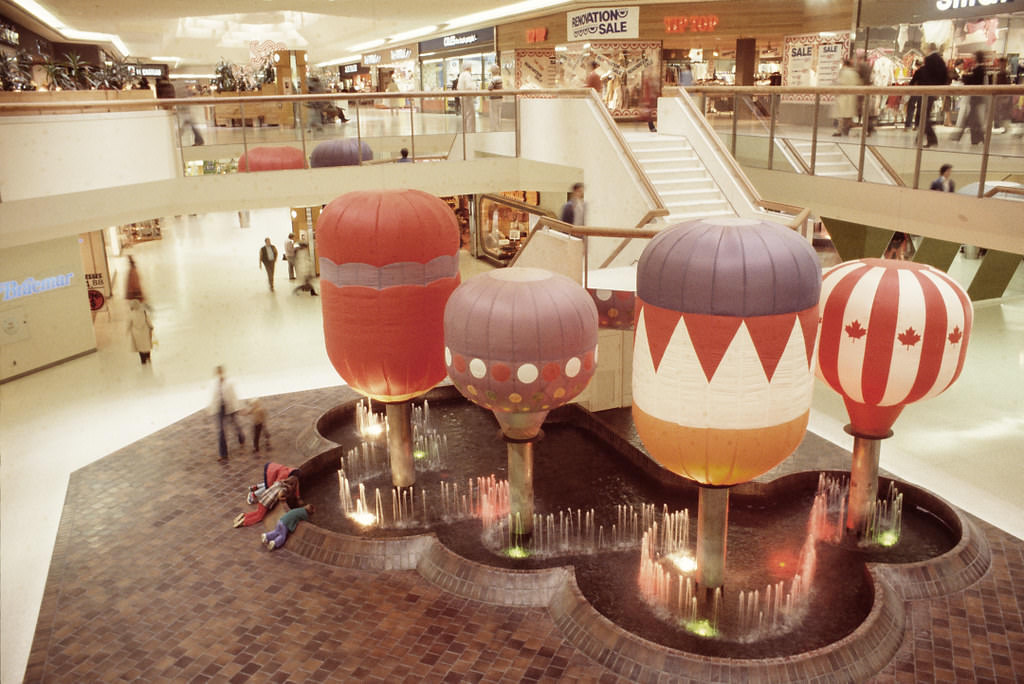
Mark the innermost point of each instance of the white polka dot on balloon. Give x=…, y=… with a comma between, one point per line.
x=603, y=295
x=447, y=356
x=478, y=368
x=572, y=368
x=527, y=373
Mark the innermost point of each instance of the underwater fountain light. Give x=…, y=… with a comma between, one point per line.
x=419, y=453
x=373, y=430
x=517, y=552
x=888, y=538
x=701, y=628
x=364, y=518
x=684, y=562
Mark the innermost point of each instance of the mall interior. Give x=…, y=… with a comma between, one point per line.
x=119, y=559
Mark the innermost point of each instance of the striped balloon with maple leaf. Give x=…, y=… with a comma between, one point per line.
x=891, y=333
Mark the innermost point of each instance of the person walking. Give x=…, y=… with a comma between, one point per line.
x=133, y=284
x=496, y=100
x=304, y=270
x=140, y=330
x=259, y=424
x=466, y=82
x=975, y=104
x=268, y=260
x=846, y=105
x=933, y=72
x=224, y=405
x=594, y=79
x=944, y=183
x=289, y=255
x=286, y=524
x=573, y=210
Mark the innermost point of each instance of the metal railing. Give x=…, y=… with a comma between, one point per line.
x=802, y=110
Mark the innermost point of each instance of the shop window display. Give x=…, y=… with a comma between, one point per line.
x=630, y=73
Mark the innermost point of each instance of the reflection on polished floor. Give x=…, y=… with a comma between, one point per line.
x=211, y=305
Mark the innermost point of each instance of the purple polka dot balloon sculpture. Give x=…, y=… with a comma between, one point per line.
x=520, y=342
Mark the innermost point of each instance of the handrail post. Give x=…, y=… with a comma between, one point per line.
x=519, y=138
x=865, y=123
x=771, y=133
x=412, y=130
x=245, y=145
x=923, y=119
x=177, y=129
x=359, y=135
x=990, y=117
x=814, y=131
x=732, y=143
x=302, y=134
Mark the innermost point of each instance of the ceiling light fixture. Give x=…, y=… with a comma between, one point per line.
x=502, y=12
x=368, y=45
x=341, y=60
x=409, y=35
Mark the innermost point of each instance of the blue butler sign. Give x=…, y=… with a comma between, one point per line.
x=603, y=23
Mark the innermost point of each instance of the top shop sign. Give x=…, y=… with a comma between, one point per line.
x=603, y=23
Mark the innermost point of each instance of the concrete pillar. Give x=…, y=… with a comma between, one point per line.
x=712, y=525
x=863, y=483
x=403, y=469
x=520, y=488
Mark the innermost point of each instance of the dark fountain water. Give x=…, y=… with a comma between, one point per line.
x=595, y=498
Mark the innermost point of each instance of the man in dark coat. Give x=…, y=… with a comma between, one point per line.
x=268, y=260
x=932, y=72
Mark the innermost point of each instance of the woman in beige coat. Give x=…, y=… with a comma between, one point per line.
x=846, y=105
x=140, y=330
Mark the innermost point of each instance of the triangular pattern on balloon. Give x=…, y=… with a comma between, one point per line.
x=710, y=337
x=809, y=319
x=770, y=335
x=660, y=325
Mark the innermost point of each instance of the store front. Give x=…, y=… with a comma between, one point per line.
x=355, y=78
x=640, y=49
x=442, y=59
x=399, y=65
x=894, y=36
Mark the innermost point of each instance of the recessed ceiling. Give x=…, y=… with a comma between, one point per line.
x=203, y=32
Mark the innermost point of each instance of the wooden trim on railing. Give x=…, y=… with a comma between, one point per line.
x=727, y=90
x=884, y=163
x=796, y=154
x=1003, y=188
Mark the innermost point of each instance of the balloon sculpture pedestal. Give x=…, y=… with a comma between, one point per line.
x=863, y=482
x=520, y=490
x=712, y=527
x=403, y=467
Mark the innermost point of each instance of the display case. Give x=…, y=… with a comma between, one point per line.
x=504, y=225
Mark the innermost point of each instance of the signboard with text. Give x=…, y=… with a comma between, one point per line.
x=603, y=23
x=813, y=59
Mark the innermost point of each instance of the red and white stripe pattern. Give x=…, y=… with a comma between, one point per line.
x=892, y=332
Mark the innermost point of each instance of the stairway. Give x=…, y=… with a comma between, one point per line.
x=679, y=176
x=830, y=161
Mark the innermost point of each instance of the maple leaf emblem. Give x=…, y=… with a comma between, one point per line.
x=909, y=338
x=855, y=331
x=954, y=337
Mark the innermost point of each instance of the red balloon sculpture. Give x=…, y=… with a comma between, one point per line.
x=388, y=263
x=892, y=332
x=271, y=159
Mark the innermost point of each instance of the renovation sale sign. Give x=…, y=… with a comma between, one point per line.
x=603, y=23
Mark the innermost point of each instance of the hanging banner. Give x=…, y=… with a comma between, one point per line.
x=603, y=23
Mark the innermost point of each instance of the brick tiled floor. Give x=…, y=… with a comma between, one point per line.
x=149, y=582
